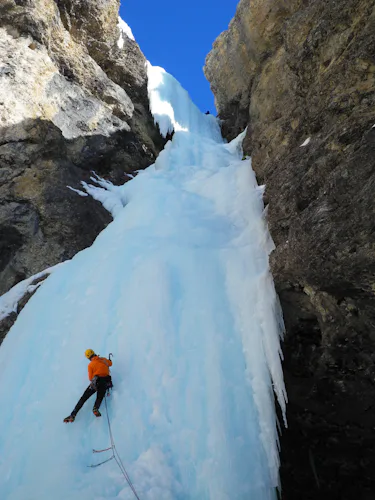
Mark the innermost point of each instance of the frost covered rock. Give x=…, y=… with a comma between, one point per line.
x=12, y=302
x=71, y=101
x=291, y=71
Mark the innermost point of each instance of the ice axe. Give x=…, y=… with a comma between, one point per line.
x=109, y=356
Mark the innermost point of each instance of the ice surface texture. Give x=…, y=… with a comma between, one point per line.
x=178, y=288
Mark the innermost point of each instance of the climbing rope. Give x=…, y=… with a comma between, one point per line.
x=115, y=456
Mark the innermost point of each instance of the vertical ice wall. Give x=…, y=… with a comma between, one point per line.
x=178, y=288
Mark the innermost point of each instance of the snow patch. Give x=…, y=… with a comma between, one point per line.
x=124, y=30
x=9, y=301
x=306, y=142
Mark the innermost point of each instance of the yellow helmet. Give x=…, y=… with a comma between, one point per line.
x=89, y=353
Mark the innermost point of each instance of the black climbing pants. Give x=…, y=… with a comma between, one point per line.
x=102, y=384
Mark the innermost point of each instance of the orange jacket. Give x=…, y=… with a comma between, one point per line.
x=99, y=367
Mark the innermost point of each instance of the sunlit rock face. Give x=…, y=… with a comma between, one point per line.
x=301, y=76
x=73, y=98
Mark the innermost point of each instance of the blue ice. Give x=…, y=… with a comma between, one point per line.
x=178, y=288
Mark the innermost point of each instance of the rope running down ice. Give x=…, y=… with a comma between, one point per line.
x=115, y=456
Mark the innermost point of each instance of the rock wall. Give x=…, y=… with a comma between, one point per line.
x=73, y=98
x=300, y=74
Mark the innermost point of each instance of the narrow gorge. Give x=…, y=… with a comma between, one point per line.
x=127, y=221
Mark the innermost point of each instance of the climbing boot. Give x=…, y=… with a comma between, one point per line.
x=96, y=412
x=71, y=418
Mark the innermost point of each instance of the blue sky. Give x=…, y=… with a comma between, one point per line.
x=178, y=35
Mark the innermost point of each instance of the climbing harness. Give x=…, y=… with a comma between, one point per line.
x=115, y=456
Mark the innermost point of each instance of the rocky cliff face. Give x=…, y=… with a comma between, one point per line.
x=73, y=98
x=301, y=76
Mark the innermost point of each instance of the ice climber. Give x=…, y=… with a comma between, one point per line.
x=100, y=381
